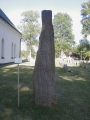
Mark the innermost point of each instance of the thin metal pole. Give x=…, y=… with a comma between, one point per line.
x=81, y=56
x=18, y=85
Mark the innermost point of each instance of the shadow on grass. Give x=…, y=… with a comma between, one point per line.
x=72, y=89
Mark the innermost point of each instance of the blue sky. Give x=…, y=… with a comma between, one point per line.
x=14, y=8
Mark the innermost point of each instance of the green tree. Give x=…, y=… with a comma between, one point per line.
x=85, y=12
x=61, y=46
x=30, y=28
x=83, y=47
x=33, y=53
x=64, y=37
x=24, y=54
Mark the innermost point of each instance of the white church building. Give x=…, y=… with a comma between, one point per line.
x=10, y=40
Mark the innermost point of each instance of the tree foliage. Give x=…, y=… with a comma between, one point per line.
x=24, y=54
x=64, y=37
x=83, y=47
x=85, y=12
x=30, y=27
x=63, y=46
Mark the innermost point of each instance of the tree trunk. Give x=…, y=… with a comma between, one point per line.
x=44, y=72
x=30, y=54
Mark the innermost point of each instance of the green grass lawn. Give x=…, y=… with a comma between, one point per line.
x=72, y=91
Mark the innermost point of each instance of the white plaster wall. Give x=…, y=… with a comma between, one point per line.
x=10, y=35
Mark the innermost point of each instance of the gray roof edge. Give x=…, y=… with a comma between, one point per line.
x=7, y=20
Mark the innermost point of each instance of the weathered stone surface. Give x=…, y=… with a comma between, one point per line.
x=44, y=72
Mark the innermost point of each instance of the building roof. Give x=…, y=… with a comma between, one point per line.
x=6, y=19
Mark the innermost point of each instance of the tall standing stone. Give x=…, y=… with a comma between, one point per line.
x=44, y=72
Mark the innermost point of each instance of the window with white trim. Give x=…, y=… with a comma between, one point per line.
x=12, y=50
x=2, y=49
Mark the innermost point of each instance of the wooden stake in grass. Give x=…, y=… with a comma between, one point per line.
x=44, y=72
